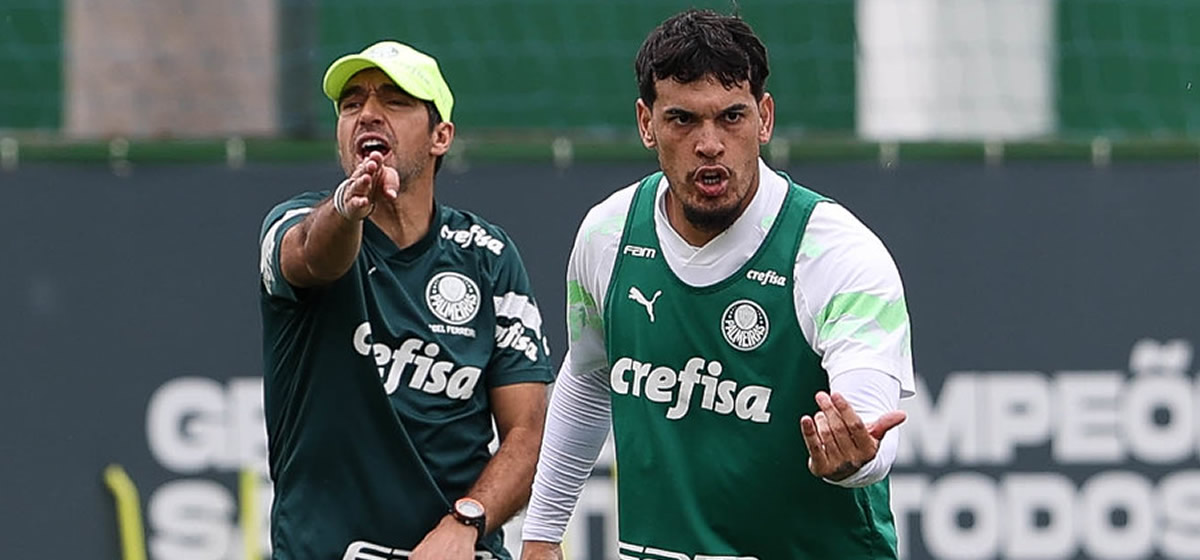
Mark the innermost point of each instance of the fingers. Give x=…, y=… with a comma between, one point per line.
x=358, y=196
x=889, y=420
x=856, y=431
x=384, y=181
x=838, y=425
x=838, y=441
x=387, y=183
x=818, y=461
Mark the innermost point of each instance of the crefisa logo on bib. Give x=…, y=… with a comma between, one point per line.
x=452, y=297
x=745, y=325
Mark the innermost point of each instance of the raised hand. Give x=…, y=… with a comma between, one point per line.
x=370, y=183
x=838, y=441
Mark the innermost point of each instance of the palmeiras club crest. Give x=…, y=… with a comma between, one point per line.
x=452, y=297
x=745, y=325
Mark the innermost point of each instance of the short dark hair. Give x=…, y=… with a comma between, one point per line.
x=693, y=44
x=434, y=118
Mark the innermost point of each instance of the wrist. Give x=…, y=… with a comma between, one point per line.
x=339, y=203
x=541, y=549
x=469, y=513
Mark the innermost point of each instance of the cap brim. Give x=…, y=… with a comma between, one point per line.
x=342, y=70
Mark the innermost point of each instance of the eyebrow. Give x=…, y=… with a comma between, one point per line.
x=360, y=90
x=735, y=108
x=352, y=90
x=677, y=112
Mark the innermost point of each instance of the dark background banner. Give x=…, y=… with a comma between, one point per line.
x=1053, y=305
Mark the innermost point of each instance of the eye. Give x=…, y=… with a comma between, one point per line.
x=733, y=117
x=680, y=118
x=350, y=105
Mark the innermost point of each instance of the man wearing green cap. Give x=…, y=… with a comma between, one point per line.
x=395, y=331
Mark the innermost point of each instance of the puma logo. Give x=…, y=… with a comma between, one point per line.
x=636, y=295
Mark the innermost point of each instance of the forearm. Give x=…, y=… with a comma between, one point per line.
x=504, y=486
x=870, y=393
x=323, y=248
x=576, y=426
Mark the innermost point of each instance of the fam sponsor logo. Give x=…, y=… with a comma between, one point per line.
x=627, y=551
x=663, y=384
x=476, y=236
x=640, y=252
x=744, y=325
x=766, y=277
x=428, y=374
x=1061, y=464
x=363, y=550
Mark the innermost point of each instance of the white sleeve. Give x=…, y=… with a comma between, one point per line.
x=588, y=273
x=871, y=393
x=579, y=418
x=577, y=424
x=850, y=300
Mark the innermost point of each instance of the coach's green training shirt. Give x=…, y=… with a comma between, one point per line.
x=376, y=386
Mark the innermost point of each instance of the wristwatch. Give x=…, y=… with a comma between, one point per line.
x=470, y=512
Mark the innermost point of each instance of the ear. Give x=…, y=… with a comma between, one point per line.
x=644, y=116
x=766, y=111
x=443, y=136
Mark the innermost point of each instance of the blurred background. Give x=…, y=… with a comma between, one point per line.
x=1033, y=165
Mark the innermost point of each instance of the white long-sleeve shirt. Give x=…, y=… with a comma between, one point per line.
x=865, y=349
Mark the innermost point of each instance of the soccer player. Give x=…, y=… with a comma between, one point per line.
x=395, y=330
x=746, y=337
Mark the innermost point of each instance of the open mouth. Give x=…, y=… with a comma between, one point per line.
x=711, y=180
x=368, y=144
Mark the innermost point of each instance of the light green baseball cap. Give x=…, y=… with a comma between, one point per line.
x=414, y=71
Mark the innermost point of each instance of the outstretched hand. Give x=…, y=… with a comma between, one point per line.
x=370, y=183
x=838, y=441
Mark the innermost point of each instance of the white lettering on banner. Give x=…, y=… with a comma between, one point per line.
x=198, y=425
x=1114, y=514
x=956, y=493
x=195, y=423
x=661, y=384
x=191, y=519
x=1083, y=419
x=986, y=418
x=476, y=235
x=428, y=375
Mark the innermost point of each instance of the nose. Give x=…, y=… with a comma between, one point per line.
x=372, y=111
x=709, y=144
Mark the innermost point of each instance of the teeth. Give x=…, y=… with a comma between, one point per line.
x=372, y=144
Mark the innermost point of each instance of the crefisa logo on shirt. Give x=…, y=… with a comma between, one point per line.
x=452, y=297
x=745, y=325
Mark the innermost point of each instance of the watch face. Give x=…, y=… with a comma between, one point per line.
x=469, y=508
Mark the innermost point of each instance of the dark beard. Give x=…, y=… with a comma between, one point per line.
x=711, y=221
